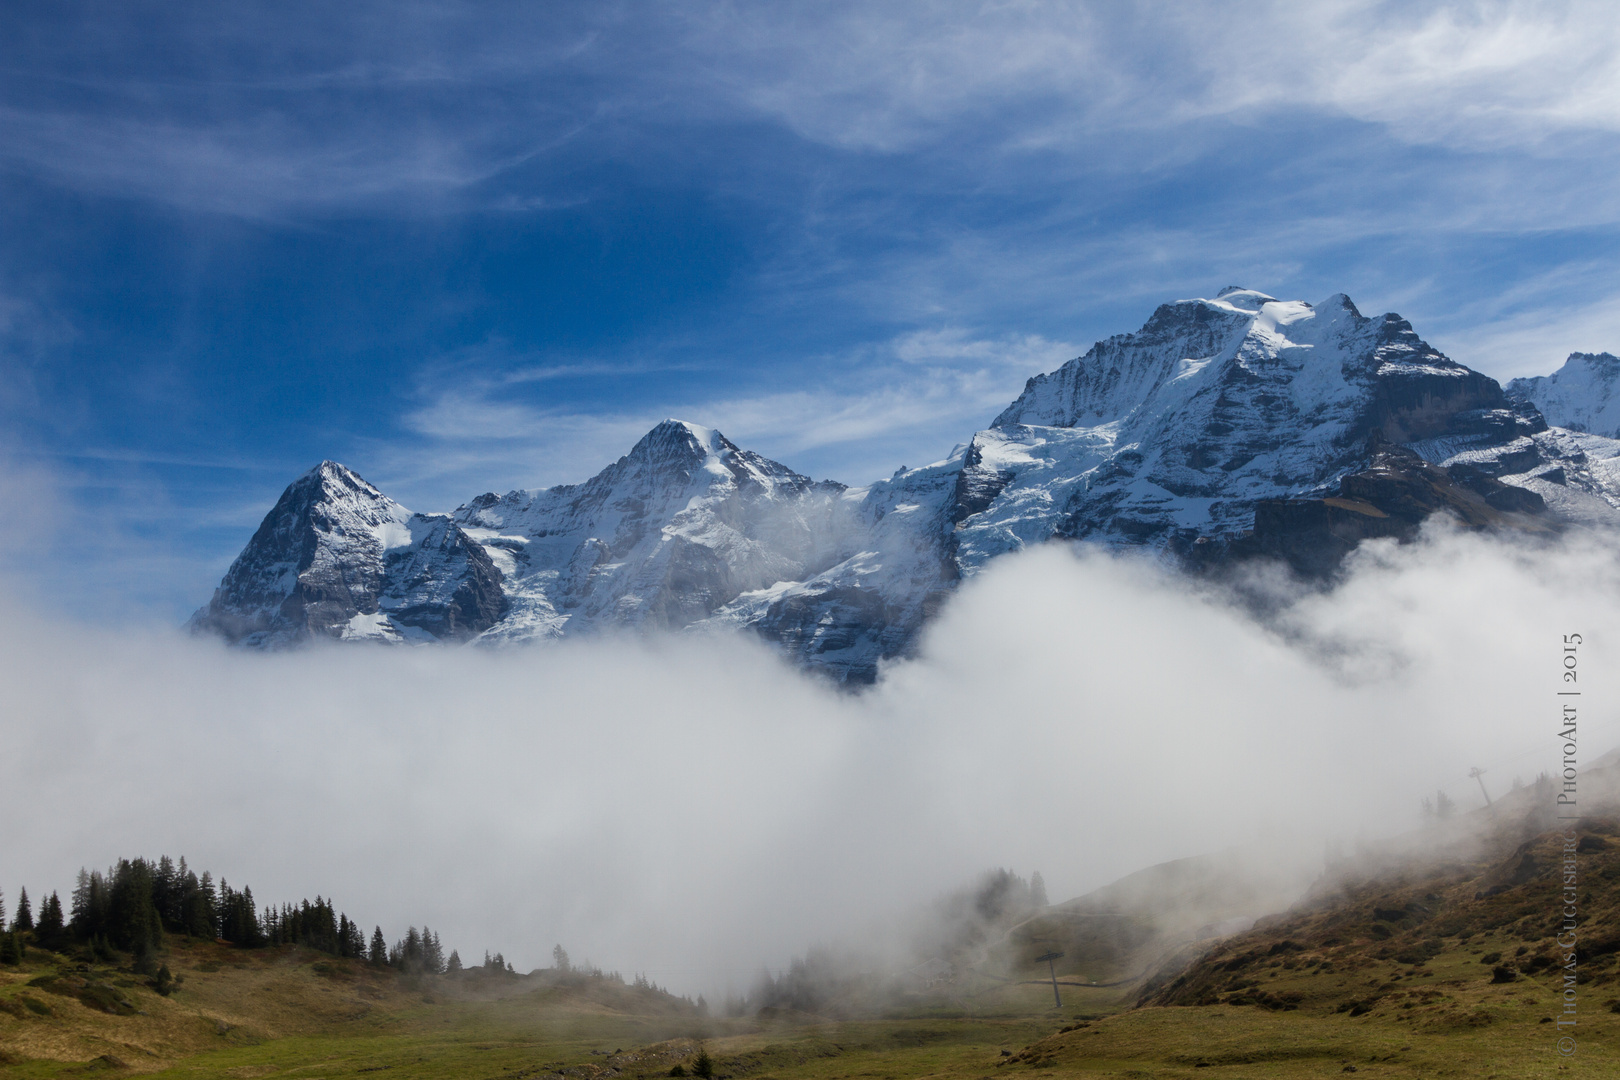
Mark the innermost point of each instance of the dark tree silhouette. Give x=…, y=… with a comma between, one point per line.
x=49, y=931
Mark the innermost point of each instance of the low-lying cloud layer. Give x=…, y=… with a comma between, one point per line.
x=693, y=809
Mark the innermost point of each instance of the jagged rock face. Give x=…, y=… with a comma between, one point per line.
x=1392, y=497
x=1579, y=396
x=336, y=558
x=314, y=564
x=1224, y=429
x=1215, y=404
x=443, y=584
x=662, y=538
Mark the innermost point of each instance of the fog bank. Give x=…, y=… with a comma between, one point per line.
x=692, y=808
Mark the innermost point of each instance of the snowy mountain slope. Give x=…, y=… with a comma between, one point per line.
x=1580, y=396
x=1174, y=438
x=1223, y=429
x=443, y=584
x=336, y=558
x=665, y=536
x=1236, y=399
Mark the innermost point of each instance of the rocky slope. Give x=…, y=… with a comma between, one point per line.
x=1223, y=429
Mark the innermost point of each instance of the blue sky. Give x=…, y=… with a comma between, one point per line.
x=477, y=247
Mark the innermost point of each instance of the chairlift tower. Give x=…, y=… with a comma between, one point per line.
x=1479, y=774
x=1051, y=959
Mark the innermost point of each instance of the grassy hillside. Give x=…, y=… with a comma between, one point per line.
x=1432, y=958
x=1423, y=968
x=269, y=1012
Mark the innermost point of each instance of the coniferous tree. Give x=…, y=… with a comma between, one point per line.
x=200, y=907
x=131, y=920
x=132, y=905
x=432, y=953
x=10, y=949
x=2, y=907
x=88, y=896
x=146, y=961
x=166, y=891
x=356, y=940
x=48, y=931
x=1037, y=890
x=406, y=955
x=453, y=965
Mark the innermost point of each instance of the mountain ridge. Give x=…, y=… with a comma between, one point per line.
x=1222, y=430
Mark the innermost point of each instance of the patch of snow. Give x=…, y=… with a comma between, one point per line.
x=373, y=627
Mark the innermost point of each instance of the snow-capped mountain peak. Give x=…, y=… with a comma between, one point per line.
x=669, y=533
x=1223, y=428
x=315, y=562
x=1580, y=396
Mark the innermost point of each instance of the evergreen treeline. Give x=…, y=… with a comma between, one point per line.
x=317, y=925
x=132, y=905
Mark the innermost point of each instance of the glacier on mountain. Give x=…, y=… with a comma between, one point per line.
x=1223, y=429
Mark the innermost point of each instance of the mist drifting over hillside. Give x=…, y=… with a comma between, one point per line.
x=693, y=808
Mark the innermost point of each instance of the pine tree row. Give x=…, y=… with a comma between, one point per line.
x=135, y=902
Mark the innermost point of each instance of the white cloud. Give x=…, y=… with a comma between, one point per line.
x=1530, y=328
x=692, y=809
x=429, y=102
x=883, y=78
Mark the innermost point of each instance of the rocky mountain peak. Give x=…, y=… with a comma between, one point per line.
x=1184, y=348
x=678, y=440
x=333, y=481
x=1223, y=428
x=315, y=561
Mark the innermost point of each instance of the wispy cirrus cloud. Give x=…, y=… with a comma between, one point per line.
x=887, y=77
x=1532, y=328
x=431, y=101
